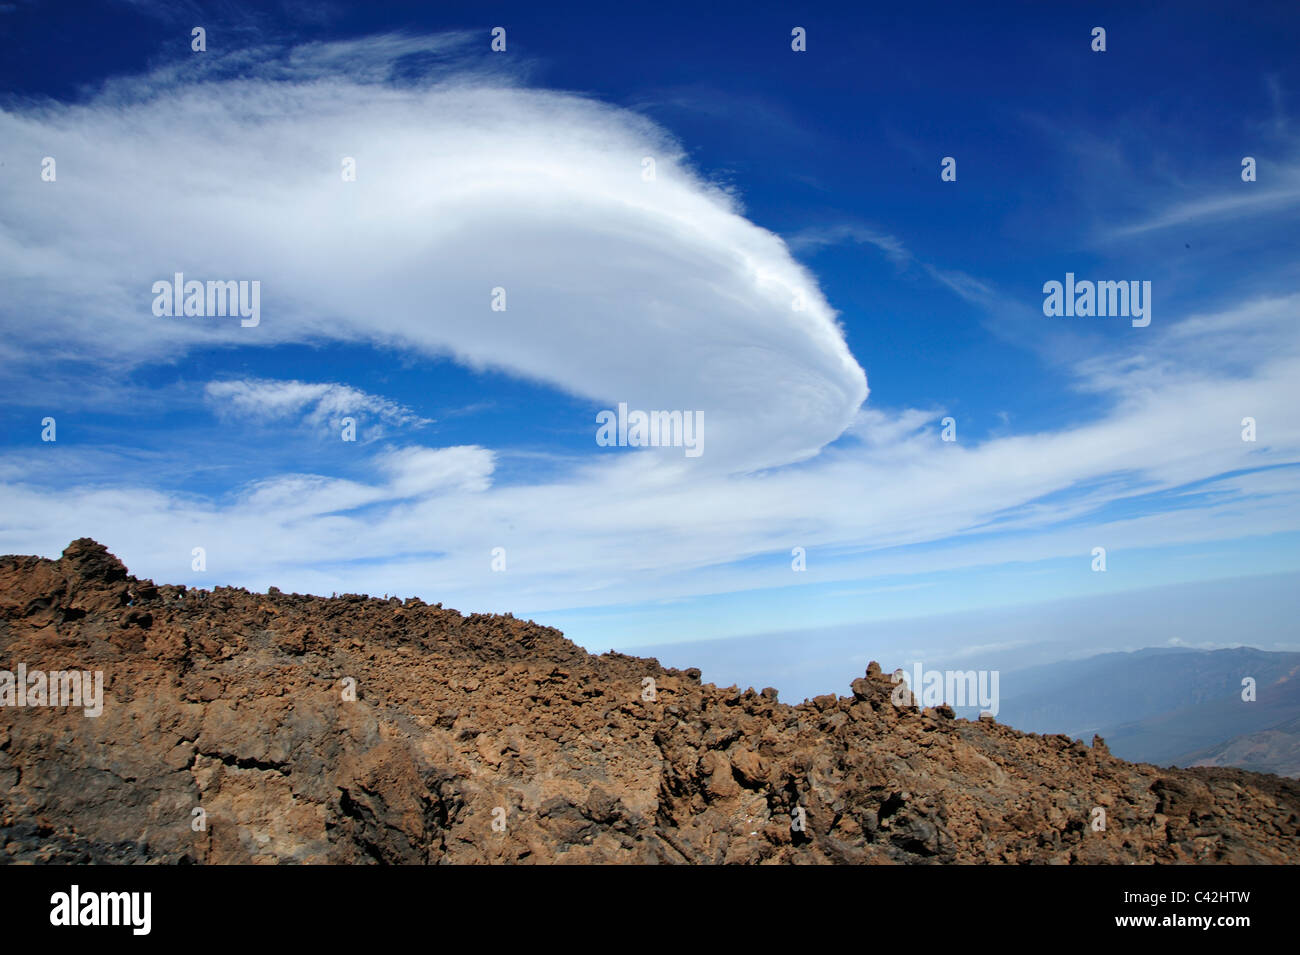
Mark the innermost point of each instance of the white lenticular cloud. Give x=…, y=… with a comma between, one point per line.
x=617, y=288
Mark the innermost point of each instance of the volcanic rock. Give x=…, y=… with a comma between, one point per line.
x=240, y=727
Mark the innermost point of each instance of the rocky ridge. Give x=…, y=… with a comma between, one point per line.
x=227, y=736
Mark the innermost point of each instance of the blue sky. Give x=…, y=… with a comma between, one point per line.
x=779, y=174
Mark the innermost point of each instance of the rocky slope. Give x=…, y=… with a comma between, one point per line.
x=490, y=739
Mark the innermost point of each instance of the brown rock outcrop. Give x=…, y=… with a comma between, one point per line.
x=242, y=727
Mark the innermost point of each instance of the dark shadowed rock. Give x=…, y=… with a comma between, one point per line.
x=91, y=561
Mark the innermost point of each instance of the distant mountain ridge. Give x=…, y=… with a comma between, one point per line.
x=1275, y=750
x=1168, y=706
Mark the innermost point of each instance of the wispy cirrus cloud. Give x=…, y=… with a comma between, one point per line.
x=321, y=405
x=1206, y=210
x=819, y=237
